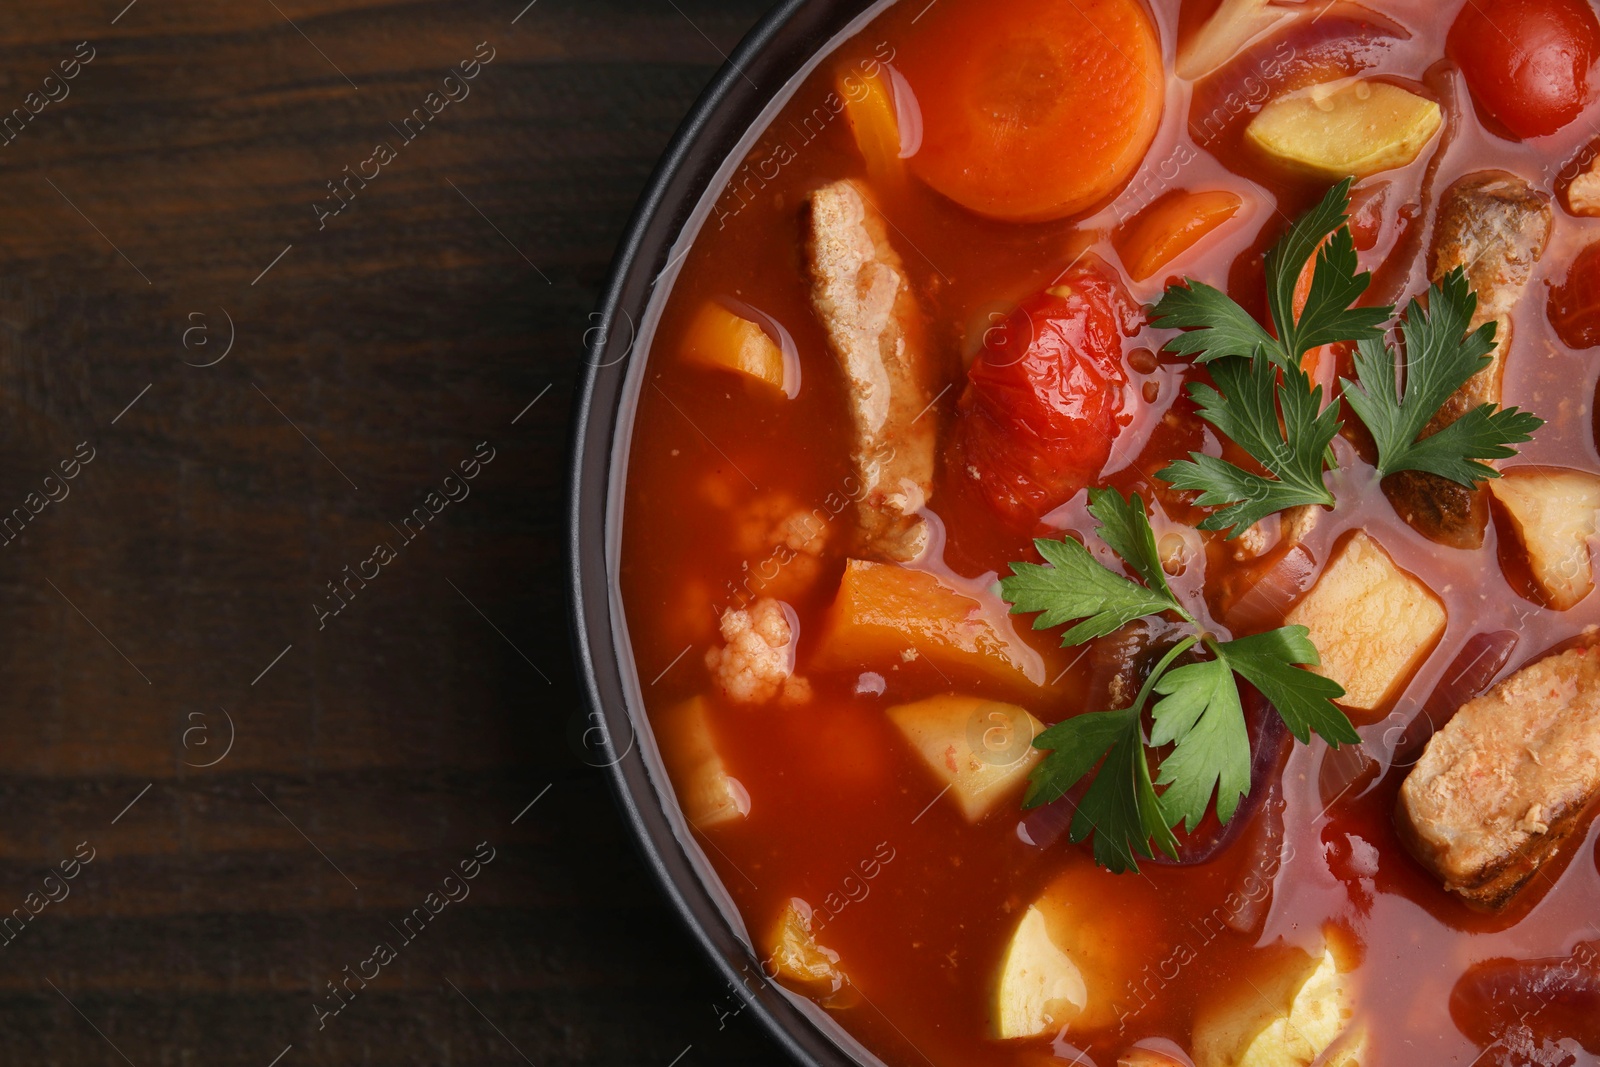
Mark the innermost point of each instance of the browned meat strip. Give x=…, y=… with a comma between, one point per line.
x=862, y=294
x=1495, y=226
x=1506, y=782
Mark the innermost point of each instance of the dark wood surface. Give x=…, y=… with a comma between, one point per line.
x=172, y=588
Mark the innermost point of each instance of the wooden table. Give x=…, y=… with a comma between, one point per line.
x=251, y=392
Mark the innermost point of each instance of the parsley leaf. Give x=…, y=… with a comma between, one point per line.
x=1125, y=529
x=1201, y=713
x=1441, y=355
x=1071, y=584
x=1214, y=325
x=1328, y=317
x=1075, y=746
x=1246, y=407
x=1218, y=327
x=1272, y=663
x=1121, y=807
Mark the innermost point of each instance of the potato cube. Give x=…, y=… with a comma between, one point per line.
x=1371, y=621
x=1344, y=129
x=884, y=612
x=1041, y=988
x=709, y=795
x=1552, y=512
x=796, y=955
x=1076, y=954
x=981, y=750
x=720, y=339
x=1299, y=1011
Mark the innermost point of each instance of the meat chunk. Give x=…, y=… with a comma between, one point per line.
x=1506, y=782
x=757, y=663
x=862, y=294
x=1495, y=226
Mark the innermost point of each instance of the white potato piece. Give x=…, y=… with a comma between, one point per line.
x=1300, y=1010
x=1344, y=129
x=1372, y=622
x=1041, y=988
x=798, y=957
x=980, y=749
x=709, y=795
x=1075, y=954
x=1553, y=511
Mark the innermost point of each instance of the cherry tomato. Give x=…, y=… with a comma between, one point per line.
x=1044, y=399
x=1574, y=307
x=1527, y=62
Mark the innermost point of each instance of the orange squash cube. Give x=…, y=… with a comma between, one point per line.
x=720, y=339
x=887, y=613
x=796, y=955
x=869, y=108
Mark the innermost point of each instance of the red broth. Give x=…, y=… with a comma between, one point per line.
x=918, y=903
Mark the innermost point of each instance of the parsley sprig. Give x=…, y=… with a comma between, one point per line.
x=1264, y=401
x=1218, y=327
x=1441, y=355
x=1199, y=713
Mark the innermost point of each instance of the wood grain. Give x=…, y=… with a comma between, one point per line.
x=140, y=611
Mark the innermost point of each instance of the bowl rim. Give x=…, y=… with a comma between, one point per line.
x=786, y=38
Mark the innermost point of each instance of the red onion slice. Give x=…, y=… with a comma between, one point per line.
x=1529, y=1005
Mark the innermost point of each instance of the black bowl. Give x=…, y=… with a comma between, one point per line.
x=761, y=74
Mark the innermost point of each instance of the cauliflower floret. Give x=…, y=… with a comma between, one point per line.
x=779, y=541
x=757, y=663
x=778, y=520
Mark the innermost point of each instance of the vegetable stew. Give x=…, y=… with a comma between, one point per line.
x=1108, y=534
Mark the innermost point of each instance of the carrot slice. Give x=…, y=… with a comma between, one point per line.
x=1034, y=109
x=1170, y=227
